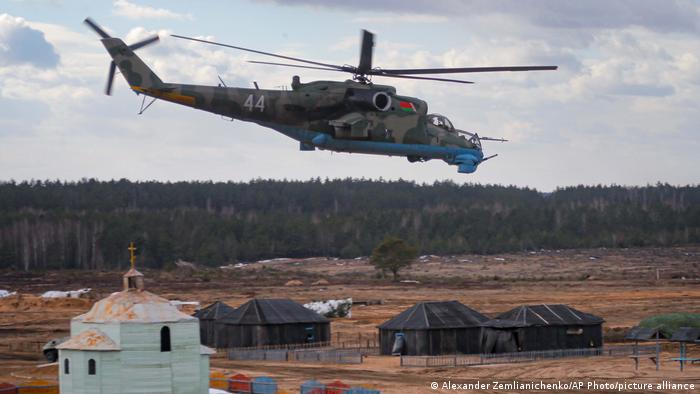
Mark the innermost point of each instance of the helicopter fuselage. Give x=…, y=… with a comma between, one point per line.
x=353, y=117
x=341, y=116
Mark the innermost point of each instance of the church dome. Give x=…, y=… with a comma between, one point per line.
x=130, y=306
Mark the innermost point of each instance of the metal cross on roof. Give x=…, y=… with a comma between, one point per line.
x=132, y=249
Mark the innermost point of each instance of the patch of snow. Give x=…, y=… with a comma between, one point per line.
x=232, y=266
x=277, y=260
x=409, y=281
x=185, y=264
x=6, y=293
x=499, y=259
x=65, y=294
x=179, y=304
x=332, y=308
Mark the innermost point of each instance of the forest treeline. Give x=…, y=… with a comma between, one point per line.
x=88, y=224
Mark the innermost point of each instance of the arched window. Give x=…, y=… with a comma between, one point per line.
x=92, y=367
x=165, y=339
x=66, y=367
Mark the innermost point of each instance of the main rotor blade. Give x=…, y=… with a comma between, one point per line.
x=88, y=21
x=110, y=78
x=297, y=66
x=378, y=75
x=256, y=51
x=460, y=70
x=366, y=52
x=143, y=43
x=423, y=78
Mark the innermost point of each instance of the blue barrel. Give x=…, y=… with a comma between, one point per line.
x=264, y=385
x=312, y=387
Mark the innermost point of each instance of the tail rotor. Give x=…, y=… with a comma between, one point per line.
x=112, y=66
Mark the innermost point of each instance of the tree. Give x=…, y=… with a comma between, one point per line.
x=393, y=254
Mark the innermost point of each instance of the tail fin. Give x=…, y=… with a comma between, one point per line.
x=134, y=70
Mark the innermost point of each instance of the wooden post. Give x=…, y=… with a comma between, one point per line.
x=657, y=274
x=682, y=355
x=636, y=355
x=657, y=350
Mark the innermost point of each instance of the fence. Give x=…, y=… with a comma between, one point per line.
x=359, y=340
x=289, y=346
x=23, y=346
x=463, y=360
x=369, y=342
x=259, y=355
x=43, y=389
x=320, y=355
x=330, y=356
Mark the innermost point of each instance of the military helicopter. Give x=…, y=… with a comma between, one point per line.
x=354, y=116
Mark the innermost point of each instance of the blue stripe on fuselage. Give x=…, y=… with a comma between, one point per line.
x=325, y=141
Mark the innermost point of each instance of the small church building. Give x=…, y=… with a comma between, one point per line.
x=134, y=342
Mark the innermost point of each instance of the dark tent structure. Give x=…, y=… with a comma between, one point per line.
x=686, y=334
x=644, y=334
x=541, y=327
x=683, y=336
x=432, y=328
x=271, y=322
x=207, y=321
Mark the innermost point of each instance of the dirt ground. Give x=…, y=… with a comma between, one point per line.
x=619, y=285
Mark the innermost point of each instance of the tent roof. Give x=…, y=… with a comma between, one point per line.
x=435, y=315
x=686, y=334
x=549, y=315
x=214, y=311
x=644, y=334
x=272, y=311
x=503, y=323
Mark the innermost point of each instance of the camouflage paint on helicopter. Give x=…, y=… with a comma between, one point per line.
x=351, y=116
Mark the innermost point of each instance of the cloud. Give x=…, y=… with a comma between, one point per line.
x=21, y=44
x=659, y=15
x=134, y=11
x=406, y=18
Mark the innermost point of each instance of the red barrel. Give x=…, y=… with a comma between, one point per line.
x=239, y=383
x=336, y=387
x=7, y=388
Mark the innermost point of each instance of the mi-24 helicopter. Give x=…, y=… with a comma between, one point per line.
x=355, y=116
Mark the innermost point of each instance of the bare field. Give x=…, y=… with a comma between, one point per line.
x=619, y=285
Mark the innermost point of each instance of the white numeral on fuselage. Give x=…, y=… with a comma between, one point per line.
x=260, y=104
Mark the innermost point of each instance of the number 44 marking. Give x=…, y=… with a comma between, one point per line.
x=260, y=104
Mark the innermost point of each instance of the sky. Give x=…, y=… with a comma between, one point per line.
x=623, y=108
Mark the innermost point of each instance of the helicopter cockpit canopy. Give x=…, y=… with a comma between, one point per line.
x=441, y=121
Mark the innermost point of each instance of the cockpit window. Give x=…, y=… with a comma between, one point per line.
x=441, y=121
